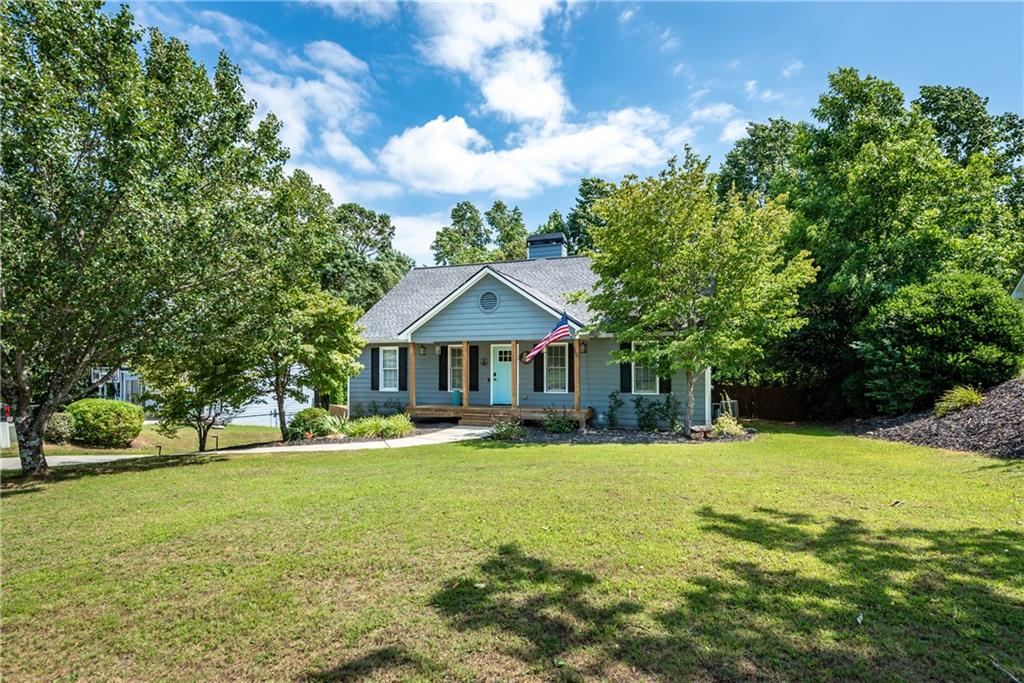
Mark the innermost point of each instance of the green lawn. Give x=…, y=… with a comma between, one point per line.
x=186, y=441
x=801, y=555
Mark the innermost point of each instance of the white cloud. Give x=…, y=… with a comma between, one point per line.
x=795, y=67
x=679, y=136
x=346, y=189
x=719, y=111
x=447, y=155
x=341, y=149
x=734, y=130
x=413, y=234
x=626, y=15
x=679, y=68
x=332, y=55
x=733, y=64
x=521, y=85
x=366, y=11
x=754, y=93
x=698, y=94
x=668, y=41
x=198, y=35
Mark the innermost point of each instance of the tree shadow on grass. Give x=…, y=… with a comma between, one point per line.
x=16, y=484
x=836, y=600
x=386, y=660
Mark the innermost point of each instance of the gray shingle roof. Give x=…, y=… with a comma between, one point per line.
x=551, y=280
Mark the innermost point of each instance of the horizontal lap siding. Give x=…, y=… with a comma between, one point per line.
x=598, y=379
x=463, y=319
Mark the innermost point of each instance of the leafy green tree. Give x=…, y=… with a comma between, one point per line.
x=313, y=343
x=465, y=240
x=693, y=281
x=508, y=230
x=554, y=223
x=768, y=151
x=957, y=328
x=131, y=184
x=202, y=387
x=961, y=120
x=880, y=206
x=582, y=218
x=362, y=264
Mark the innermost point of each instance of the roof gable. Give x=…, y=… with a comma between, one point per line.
x=545, y=282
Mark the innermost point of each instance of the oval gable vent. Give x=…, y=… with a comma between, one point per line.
x=488, y=302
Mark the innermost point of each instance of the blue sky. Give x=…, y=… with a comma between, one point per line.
x=408, y=109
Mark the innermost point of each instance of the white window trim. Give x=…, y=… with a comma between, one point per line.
x=464, y=361
x=632, y=377
x=398, y=369
x=545, y=354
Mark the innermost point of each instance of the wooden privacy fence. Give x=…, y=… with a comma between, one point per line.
x=767, y=403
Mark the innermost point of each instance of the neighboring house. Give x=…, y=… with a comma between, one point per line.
x=447, y=327
x=1018, y=291
x=127, y=385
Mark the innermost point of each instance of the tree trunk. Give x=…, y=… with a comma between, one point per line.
x=30, y=444
x=688, y=413
x=203, y=431
x=281, y=420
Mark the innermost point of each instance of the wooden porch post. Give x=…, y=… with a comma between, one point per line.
x=465, y=374
x=515, y=373
x=576, y=374
x=412, y=375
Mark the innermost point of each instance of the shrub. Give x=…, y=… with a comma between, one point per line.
x=393, y=407
x=335, y=424
x=558, y=422
x=309, y=422
x=957, y=398
x=60, y=428
x=647, y=413
x=106, y=423
x=671, y=411
x=615, y=403
x=508, y=430
x=380, y=427
x=727, y=425
x=956, y=329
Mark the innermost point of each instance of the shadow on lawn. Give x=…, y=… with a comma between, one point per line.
x=927, y=599
x=11, y=485
x=385, y=659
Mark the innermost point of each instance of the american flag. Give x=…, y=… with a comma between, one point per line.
x=560, y=331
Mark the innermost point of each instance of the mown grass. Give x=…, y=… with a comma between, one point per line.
x=185, y=441
x=801, y=555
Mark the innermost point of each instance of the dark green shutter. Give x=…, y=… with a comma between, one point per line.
x=442, y=370
x=538, y=372
x=403, y=368
x=474, y=368
x=375, y=369
x=625, y=373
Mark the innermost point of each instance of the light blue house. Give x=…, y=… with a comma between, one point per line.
x=450, y=341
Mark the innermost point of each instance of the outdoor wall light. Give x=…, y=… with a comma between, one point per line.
x=483, y=361
x=583, y=347
x=437, y=349
x=423, y=350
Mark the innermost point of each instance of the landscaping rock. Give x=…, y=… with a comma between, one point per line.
x=995, y=427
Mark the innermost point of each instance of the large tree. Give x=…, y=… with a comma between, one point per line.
x=756, y=161
x=508, y=231
x=693, y=281
x=362, y=263
x=465, y=240
x=880, y=206
x=129, y=181
x=468, y=239
x=582, y=219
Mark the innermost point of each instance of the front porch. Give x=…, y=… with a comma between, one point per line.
x=502, y=404
x=488, y=415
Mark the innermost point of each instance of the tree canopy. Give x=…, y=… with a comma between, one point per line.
x=467, y=239
x=691, y=280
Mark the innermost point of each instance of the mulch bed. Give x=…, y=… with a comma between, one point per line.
x=598, y=436
x=995, y=427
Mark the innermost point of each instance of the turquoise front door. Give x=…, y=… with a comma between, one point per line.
x=501, y=375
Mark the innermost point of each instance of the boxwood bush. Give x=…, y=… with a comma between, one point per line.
x=60, y=428
x=106, y=423
x=309, y=422
x=955, y=329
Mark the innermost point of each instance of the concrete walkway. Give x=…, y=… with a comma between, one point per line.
x=449, y=435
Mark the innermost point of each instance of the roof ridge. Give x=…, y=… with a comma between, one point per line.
x=498, y=263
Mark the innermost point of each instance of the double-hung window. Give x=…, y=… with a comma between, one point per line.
x=556, y=369
x=389, y=368
x=644, y=379
x=454, y=368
